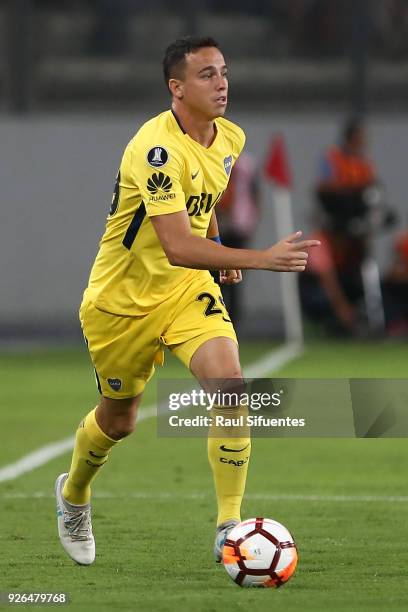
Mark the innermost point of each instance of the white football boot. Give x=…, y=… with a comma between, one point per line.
x=221, y=535
x=74, y=527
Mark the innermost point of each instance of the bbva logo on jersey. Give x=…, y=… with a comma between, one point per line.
x=157, y=156
x=198, y=205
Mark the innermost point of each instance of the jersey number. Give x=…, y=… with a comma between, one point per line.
x=210, y=309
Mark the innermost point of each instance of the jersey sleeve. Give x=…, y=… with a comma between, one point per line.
x=234, y=135
x=157, y=171
x=237, y=137
x=239, y=141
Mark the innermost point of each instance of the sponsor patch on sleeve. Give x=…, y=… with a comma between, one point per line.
x=159, y=185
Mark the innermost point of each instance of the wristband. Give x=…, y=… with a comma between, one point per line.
x=216, y=239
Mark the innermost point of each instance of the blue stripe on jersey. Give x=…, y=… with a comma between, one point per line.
x=98, y=382
x=134, y=226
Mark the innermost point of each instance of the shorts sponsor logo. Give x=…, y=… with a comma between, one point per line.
x=228, y=164
x=159, y=182
x=115, y=383
x=157, y=156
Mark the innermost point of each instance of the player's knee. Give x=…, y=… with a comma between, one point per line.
x=235, y=373
x=226, y=384
x=222, y=371
x=117, y=418
x=121, y=429
x=232, y=375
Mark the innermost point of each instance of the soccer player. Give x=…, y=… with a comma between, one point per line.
x=150, y=285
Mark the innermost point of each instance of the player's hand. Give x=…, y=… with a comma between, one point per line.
x=230, y=277
x=287, y=255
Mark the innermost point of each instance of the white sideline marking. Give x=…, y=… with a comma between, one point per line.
x=36, y=459
x=274, y=360
x=44, y=454
x=47, y=453
x=204, y=495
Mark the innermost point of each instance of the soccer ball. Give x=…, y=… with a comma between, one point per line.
x=260, y=552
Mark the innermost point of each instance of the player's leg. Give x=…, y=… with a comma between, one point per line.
x=100, y=430
x=202, y=336
x=97, y=433
x=216, y=365
x=122, y=352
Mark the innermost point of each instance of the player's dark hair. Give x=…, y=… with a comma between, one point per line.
x=174, y=60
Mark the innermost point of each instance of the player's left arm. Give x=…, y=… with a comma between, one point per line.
x=227, y=277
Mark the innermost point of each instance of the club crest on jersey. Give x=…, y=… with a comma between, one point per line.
x=115, y=383
x=228, y=164
x=157, y=157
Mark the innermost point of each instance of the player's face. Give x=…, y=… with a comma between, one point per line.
x=205, y=86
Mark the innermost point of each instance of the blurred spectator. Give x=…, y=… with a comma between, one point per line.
x=395, y=289
x=350, y=210
x=237, y=216
x=345, y=173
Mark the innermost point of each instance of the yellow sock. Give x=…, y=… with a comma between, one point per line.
x=91, y=452
x=229, y=458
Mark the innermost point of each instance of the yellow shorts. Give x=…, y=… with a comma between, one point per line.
x=124, y=349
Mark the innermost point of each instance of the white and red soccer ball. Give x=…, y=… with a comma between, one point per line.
x=260, y=552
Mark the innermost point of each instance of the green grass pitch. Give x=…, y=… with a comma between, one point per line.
x=154, y=506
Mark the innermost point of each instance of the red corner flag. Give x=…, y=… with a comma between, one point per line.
x=277, y=165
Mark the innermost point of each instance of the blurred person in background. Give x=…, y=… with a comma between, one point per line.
x=238, y=215
x=350, y=210
x=395, y=289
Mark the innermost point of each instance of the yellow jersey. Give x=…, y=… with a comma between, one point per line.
x=163, y=170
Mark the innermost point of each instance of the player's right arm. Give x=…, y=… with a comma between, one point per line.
x=185, y=249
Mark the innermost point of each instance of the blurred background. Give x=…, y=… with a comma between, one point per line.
x=77, y=80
